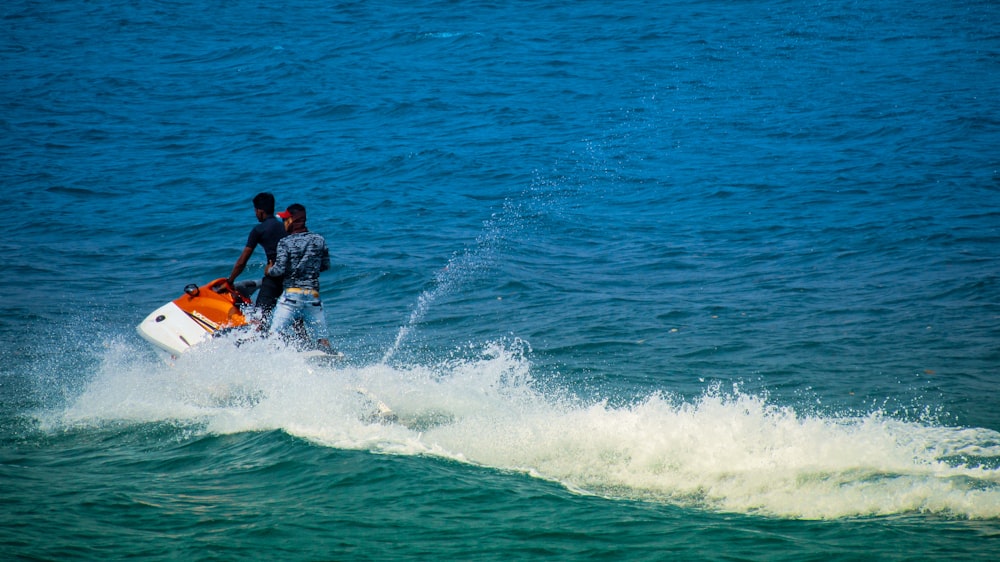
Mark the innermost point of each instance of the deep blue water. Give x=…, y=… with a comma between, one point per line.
x=696, y=280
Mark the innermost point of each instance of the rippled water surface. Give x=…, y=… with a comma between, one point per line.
x=696, y=280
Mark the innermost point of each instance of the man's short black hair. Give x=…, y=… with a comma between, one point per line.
x=265, y=202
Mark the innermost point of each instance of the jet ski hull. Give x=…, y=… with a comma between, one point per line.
x=198, y=314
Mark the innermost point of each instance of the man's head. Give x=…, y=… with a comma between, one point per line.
x=293, y=211
x=294, y=217
x=263, y=203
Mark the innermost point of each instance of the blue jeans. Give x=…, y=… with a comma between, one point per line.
x=306, y=306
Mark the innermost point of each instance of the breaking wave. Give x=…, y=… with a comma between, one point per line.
x=726, y=450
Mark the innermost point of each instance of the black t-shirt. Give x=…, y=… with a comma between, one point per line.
x=267, y=235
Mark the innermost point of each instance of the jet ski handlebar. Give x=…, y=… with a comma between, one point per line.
x=223, y=286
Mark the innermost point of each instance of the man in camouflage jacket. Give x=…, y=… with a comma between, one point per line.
x=301, y=256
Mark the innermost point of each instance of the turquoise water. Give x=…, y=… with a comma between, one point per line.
x=694, y=280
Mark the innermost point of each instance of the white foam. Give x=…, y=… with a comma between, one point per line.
x=727, y=451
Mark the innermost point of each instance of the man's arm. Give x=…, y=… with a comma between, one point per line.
x=241, y=263
x=277, y=269
x=324, y=263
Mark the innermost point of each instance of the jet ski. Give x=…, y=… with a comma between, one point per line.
x=199, y=314
x=219, y=307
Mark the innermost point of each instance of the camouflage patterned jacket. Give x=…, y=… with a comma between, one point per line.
x=300, y=258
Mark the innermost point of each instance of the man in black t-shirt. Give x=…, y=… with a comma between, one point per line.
x=267, y=234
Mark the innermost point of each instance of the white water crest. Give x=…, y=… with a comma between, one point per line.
x=725, y=451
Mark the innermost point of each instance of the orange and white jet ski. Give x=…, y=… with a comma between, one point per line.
x=198, y=314
x=216, y=308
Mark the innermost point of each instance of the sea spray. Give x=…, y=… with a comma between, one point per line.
x=727, y=451
x=544, y=196
x=463, y=268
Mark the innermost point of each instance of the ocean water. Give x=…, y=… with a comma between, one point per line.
x=642, y=281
